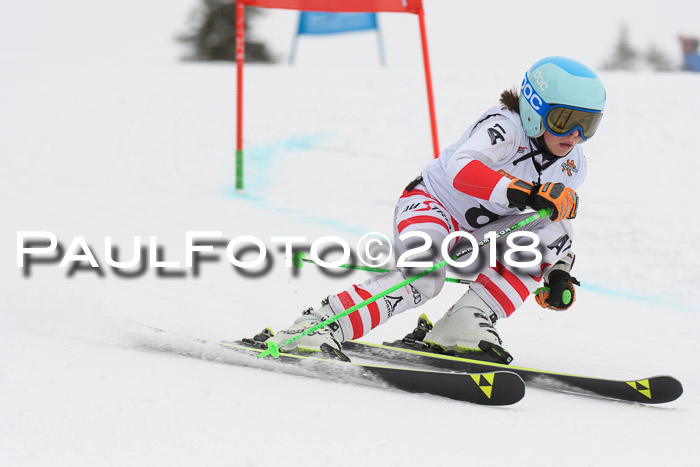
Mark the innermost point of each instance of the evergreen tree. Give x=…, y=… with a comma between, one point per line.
x=213, y=34
x=657, y=59
x=624, y=55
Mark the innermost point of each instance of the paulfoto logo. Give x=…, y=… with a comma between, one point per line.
x=245, y=253
x=251, y=254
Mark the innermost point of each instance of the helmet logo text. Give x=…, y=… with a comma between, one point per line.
x=540, y=80
x=532, y=97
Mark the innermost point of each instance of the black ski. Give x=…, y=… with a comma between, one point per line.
x=651, y=390
x=488, y=387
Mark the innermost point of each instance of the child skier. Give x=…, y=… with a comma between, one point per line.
x=521, y=154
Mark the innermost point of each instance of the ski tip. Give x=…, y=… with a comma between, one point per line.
x=298, y=259
x=656, y=389
x=272, y=349
x=496, y=388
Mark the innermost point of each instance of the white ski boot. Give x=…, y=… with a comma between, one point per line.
x=326, y=339
x=468, y=329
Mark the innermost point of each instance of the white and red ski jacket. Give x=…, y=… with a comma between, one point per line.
x=470, y=178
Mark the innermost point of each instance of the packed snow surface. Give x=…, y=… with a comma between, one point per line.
x=105, y=133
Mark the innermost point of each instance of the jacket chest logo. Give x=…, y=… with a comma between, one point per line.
x=569, y=167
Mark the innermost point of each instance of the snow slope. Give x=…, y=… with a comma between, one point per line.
x=114, y=137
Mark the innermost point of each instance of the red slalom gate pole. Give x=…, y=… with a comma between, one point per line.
x=240, y=58
x=428, y=82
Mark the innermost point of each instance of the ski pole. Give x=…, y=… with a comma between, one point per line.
x=299, y=259
x=274, y=349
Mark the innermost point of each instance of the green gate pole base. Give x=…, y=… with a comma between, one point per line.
x=239, y=170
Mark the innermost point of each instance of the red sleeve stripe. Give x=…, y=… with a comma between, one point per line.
x=373, y=308
x=358, y=329
x=513, y=280
x=422, y=220
x=497, y=294
x=477, y=180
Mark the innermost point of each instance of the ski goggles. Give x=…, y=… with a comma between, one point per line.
x=560, y=119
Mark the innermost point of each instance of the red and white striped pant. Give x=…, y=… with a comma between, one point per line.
x=503, y=287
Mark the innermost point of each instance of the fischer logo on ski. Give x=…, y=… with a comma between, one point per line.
x=485, y=383
x=641, y=386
